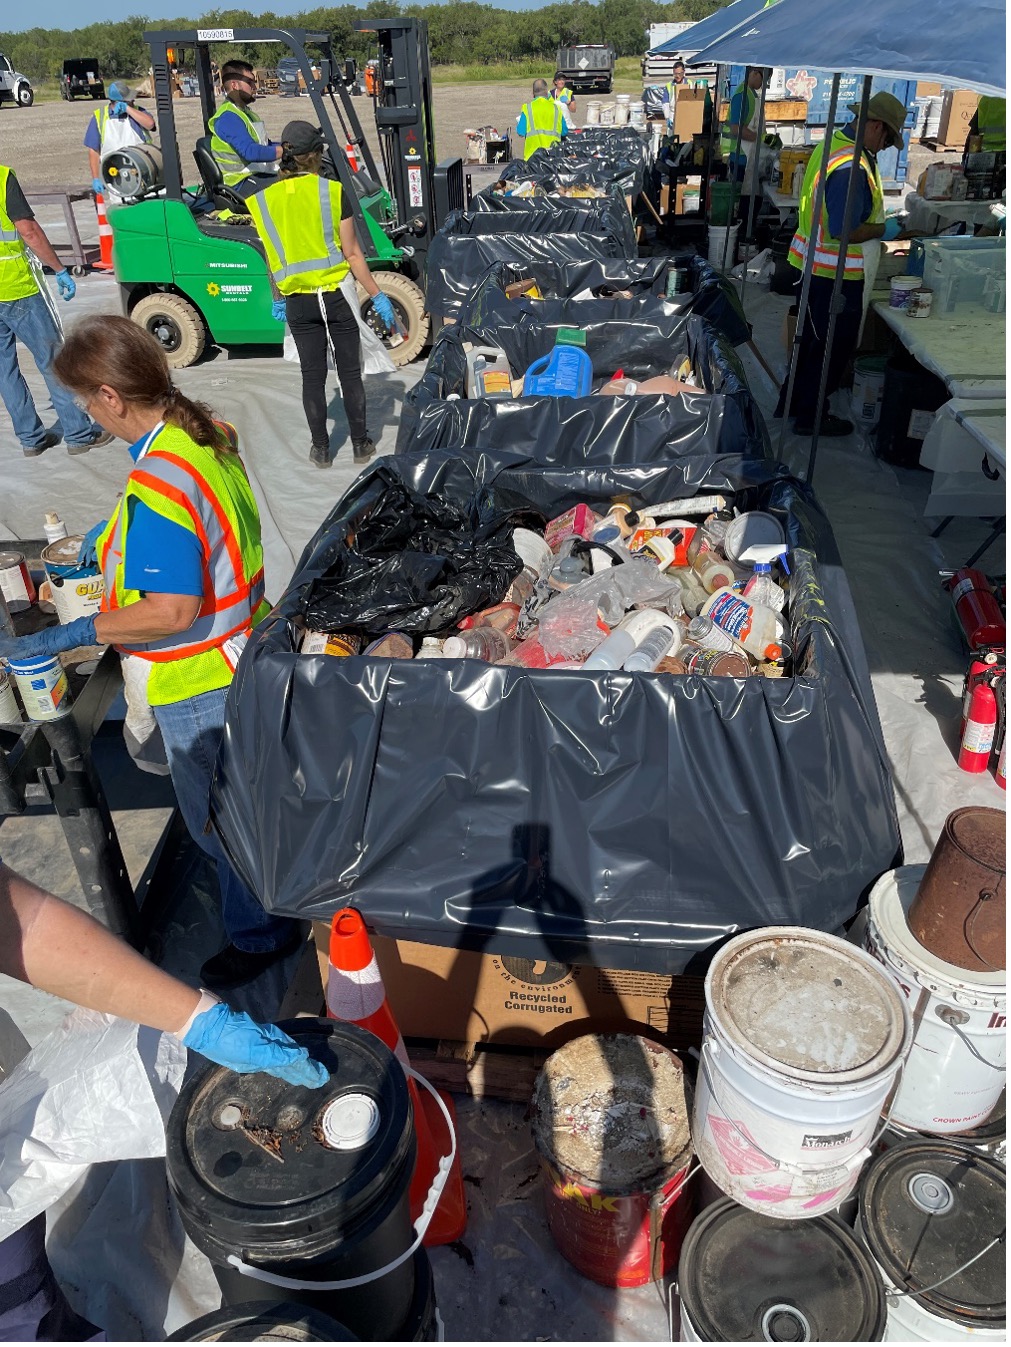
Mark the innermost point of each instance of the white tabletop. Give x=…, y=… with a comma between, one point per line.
x=921, y=211
x=964, y=348
x=783, y=202
x=965, y=449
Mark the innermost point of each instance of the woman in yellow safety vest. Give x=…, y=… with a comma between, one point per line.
x=295, y=219
x=183, y=568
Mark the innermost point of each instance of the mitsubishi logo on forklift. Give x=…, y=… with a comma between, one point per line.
x=411, y=137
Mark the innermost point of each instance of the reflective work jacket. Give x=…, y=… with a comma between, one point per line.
x=298, y=221
x=991, y=118
x=826, y=248
x=728, y=139
x=17, y=280
x=544, y=118
x=208, y=494
x=233, y=167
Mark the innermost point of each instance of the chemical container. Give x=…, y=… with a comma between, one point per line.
x=910, y=398
x=488, y=373
x=566, y=373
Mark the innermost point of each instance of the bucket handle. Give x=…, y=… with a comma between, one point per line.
x=781, y=1165
x=947, y=1016
x=924, y=1290
x=659, y=1205
x=420, y=1226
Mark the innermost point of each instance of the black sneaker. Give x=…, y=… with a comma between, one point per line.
x=232, y=967
x=319, y=454
x=99, y=438
x=832, y=427
x=48, y=440
x=363, y=449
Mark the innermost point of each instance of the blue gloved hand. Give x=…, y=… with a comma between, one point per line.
x=50, y=640
x=278, y=311
x=381, y=304
x=98, y=186
x=230, y=1038
x=87, y=554
x=119, y=108
x=892, y=228
x=66, y=284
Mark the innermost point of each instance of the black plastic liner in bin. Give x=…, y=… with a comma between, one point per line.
x=584, y=165
x=710, y=294
x=627, y=820
x=722, y=418
x=596, y=214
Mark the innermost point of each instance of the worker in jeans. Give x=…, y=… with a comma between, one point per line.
x=60, y=949
x=26, y=315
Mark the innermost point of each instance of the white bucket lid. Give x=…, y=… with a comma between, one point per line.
x=888, y=906
x=806, y=1005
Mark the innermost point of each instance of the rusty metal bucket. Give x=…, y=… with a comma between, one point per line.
x=959, y=911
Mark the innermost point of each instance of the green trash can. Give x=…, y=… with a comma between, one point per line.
x=723, y=198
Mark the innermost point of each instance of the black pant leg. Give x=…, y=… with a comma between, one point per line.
x=347, y=349
x=309, y=332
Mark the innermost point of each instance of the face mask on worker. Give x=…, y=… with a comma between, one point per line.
x=242, y=92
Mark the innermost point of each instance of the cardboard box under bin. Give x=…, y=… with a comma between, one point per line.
x=468, y=997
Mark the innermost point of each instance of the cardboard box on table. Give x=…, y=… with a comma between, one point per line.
x=957, y=113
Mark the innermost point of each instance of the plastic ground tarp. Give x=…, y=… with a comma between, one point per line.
x=721, y=418
x=468, y=242
x=626, y=820
x=568, y=296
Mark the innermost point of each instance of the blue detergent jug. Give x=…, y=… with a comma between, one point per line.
x=566, y=373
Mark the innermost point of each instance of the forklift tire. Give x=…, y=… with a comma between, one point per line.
x=176, y=326
x=409, y=305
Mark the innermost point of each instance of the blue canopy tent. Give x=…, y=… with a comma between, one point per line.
x=723, y=22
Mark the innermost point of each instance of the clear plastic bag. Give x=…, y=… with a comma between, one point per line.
x=570, y=627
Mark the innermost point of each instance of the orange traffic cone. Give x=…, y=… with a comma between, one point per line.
x=104, y=236
x=352, y=157
x=355, y=993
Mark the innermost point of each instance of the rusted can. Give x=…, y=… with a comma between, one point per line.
x=716, y=663
x=610, y=1124
x=671, y=664
x=959, y=911
x=16, y=583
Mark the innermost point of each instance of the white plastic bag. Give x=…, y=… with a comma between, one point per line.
x=375, y=357
x=98, y=1088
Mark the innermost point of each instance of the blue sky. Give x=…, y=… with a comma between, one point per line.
x=68, y=13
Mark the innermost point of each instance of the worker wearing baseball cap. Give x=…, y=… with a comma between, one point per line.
x=114, y=125
x=885, y=119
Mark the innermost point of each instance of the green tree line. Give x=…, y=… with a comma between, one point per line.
x=460, y=32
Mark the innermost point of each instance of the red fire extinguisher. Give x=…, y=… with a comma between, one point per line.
x=978, y=612
x=979, y=668
x=980, y=728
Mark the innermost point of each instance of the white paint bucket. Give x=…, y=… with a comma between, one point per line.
x=637, y=114
x=926, y=1209
x=717, y=239
x=956, y=1069
x=868, y=389
x=804, y=1037
x=593, y=113
x=745, y=1278
x=10, y=713
x=74, y=590
x=607, y=114
x=42, y=682
x=900, y=290
x=621, y=104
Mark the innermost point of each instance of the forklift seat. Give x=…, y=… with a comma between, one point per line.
x=225, y=198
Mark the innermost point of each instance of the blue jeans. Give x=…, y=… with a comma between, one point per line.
x=192, y=732
x=29, y=321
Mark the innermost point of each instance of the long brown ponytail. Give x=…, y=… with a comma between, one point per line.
x=114, y=351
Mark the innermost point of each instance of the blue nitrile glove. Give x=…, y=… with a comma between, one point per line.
x=50, y=640
x=119, y=109
x=892, y=228
x=230, y=1038
x=66, y=284
x=381, y=304
x=98, y=186
x=87, y=553
x=278, y=311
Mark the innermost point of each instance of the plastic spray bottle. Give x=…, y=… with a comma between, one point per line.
x=761, y=588
x=664, y=639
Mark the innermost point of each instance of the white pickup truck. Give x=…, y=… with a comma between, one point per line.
x=14, y=87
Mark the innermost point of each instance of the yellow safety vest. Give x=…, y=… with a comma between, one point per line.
x=991, y=118
x=544, y=119
x=563, y=95
x=728, y=140
x=233, y=167
x=209, y=495
x=826, y=248
x=298, y=221
x=17, y=280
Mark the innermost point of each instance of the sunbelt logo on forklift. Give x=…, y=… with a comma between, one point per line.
x=229, y=293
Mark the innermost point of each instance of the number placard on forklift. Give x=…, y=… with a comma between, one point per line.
x=215, y=34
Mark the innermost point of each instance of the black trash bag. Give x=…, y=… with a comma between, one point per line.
x=722, y=417
x=632, y=821
x=413, y=563
x=583, y=165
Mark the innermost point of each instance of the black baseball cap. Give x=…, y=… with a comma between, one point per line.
x=302, y=137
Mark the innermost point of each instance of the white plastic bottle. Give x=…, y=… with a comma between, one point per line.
x=612, y=652
x=758, y=629
x=55, y=528
x=761, y=588
x=431, y=648
x=652, y=649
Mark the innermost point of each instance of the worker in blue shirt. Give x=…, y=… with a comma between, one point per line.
x=113, y=127
x=247, y=157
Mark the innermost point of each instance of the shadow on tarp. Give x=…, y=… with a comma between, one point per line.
x=721, y=418
x=680, y=809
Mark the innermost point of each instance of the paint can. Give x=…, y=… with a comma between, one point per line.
x=637, y=114
x=748, y=1278
x=927, y=1209
x=75, y=590
x=593, y=113
x=258, y=1321
x=921, y=302
x=960, y=911
x=989, y=1138
x=16, y=583
x=42, y=682
x=803, y=1039
x=717, y=238
x=621, y=106
x=900, y=290
x=715, y=663
x=308, y=1184
x=956, y=1069
x=868, y=388
x=338, y=643
x=10, y=712
x=607, y=114
x=610, y=1124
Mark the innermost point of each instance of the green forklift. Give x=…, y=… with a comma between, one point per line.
x=192, y=274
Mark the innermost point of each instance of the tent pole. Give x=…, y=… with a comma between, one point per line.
x=737, y=155
x=835, y=304
x=805, y=287
x=754, y=183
